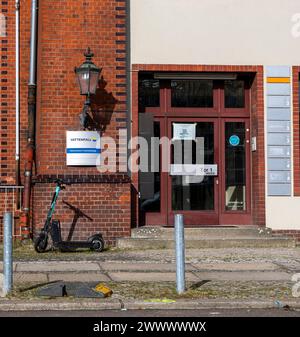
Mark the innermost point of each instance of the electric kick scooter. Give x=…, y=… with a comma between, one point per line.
x=52, y=227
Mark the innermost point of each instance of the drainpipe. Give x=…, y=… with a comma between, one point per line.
x=17, y=97
x=30, y=150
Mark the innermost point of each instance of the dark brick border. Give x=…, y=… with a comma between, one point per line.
x=81, y=179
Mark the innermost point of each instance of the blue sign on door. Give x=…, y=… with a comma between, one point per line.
x=234, y=140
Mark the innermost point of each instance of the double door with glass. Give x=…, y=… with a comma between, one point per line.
x=203, y=171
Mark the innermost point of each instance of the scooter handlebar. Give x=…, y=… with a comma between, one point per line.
x=76, y=210
x=60, y=182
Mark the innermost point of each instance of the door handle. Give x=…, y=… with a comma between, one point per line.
x=217, y=181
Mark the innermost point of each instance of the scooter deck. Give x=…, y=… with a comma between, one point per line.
x=73, y=244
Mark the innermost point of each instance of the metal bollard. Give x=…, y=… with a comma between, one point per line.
x=180, y=253
x=7, y=254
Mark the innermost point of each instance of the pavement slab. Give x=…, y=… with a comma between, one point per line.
x=30, y=277
x=149, y=277
x=171, y=267
x=14, y=266
x=239, y=266
x=201, y=275
x=44, y=266
x=78, y=277
x=147, y=267
x=244, y=276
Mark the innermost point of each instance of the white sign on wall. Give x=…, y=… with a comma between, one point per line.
x=194, y=170
x=184, y=131
x=83, y=148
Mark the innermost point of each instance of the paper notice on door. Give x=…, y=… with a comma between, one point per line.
x=184, y=131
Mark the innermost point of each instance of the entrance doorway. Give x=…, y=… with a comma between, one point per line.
x=207, y=123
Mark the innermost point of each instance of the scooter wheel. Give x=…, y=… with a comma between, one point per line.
x=97, y=245
x=41, y=243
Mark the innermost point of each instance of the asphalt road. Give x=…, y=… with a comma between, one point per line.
x=158, y=313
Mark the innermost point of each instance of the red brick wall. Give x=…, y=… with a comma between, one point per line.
x=66, y=29
x=7, y=112
x=7, y=96
x=108, y=204
x=258, y=157
x=288, y=232
x=65, y=32
x=7, y=88
x=257, y=124
x=7, y=99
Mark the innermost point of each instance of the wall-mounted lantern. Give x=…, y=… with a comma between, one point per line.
x=87, y=77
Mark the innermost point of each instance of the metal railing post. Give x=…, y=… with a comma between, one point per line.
x=7, y=254
x=180, y=253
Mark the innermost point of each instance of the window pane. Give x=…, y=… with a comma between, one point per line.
x=192, y=93
x=149, y=182
x=235, y=166
x=234, y=94
x=191, y=193
x=148, y=93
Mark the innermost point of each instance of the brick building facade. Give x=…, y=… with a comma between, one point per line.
x=65, y=30
x=138, y=43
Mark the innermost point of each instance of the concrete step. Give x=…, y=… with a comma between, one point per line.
x=241, y=242
x=201, y=232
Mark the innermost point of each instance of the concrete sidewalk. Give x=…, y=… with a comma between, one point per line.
x=228, y=264
x=87, y=271
x=237, y=278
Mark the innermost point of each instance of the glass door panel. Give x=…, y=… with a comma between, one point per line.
x=235, y=166
x=192, y=192
x=149, y=181
x=152, y=180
